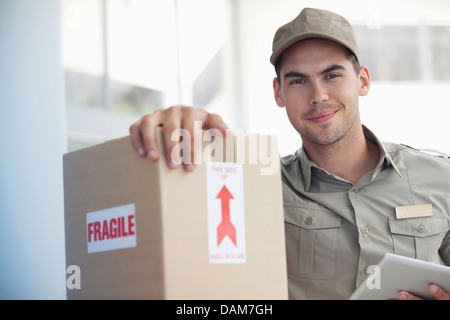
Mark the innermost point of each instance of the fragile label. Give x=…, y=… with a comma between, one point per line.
x=226, y=218
x=111, y=229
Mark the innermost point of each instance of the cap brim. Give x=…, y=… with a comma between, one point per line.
x=305, y=36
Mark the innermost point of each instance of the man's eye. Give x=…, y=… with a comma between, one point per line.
x=297, y=81
x=332, y=76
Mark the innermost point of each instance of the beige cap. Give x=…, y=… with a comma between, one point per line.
x=314, y=24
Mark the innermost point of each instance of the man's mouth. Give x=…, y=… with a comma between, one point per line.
x=322, y=117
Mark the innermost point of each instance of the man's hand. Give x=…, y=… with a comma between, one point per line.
x=435, y=290
x=143, y=132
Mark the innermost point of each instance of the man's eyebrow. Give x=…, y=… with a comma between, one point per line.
x=294, y=74
x=332, y=68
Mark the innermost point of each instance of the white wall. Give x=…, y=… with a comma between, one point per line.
x=32, y=141
x=415, y=114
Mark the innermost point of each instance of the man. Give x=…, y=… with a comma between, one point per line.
x=341, y=188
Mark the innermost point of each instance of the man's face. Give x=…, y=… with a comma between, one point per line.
x=320, y=90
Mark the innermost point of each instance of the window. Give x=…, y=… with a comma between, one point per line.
x=405, y=53
x=126, y=58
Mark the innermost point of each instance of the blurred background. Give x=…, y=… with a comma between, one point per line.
x=74, y=73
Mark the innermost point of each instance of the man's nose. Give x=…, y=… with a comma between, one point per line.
x=318, y=94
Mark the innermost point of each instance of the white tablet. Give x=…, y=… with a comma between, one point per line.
x=394, y=273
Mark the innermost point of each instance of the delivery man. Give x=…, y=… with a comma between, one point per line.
x=340, y=190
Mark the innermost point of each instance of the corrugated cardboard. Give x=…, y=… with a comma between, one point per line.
x=171, y=258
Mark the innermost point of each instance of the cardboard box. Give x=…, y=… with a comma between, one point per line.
x=136, y=229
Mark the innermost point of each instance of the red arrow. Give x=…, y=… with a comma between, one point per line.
x=225, y=227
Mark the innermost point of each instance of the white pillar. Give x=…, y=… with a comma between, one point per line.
x=32, y=141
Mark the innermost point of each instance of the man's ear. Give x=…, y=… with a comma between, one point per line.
x=364, y=79
x=277, y=93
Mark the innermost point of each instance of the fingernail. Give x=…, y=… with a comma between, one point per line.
x=403, y=296
x=434, y=289
x=189, y=167
x=172, y=164
x=140, y=151
x=151, y=154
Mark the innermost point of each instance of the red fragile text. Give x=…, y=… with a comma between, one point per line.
x=111, y=229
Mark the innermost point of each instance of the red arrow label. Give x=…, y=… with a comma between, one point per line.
x=225, y=227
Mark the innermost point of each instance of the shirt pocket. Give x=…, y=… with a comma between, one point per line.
x=419, y=238
x=311, y=237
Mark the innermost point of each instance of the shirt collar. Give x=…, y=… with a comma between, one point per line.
x=307, y=165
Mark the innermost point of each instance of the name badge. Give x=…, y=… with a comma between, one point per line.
x=420, y=210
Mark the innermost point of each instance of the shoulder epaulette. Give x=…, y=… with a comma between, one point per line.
x=287, y=160
x=430, y=152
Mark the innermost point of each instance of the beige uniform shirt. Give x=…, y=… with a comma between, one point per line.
x=336, y=229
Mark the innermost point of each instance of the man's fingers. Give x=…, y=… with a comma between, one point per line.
x=147, y=131
x=435, y=290
x=181, y=128
x=438, y=292
x=192, y=123
x=143, y=138
x=403, y=295
x=172, y=146
x=143, y=135
x=136, y=138
x=214, y=121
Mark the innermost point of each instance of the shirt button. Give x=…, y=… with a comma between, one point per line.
x=421, y=229
x=365, y=230
x=308, y=220
x=355, y=190
x=365, y=269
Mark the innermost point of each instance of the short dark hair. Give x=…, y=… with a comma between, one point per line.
x=348, y=54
